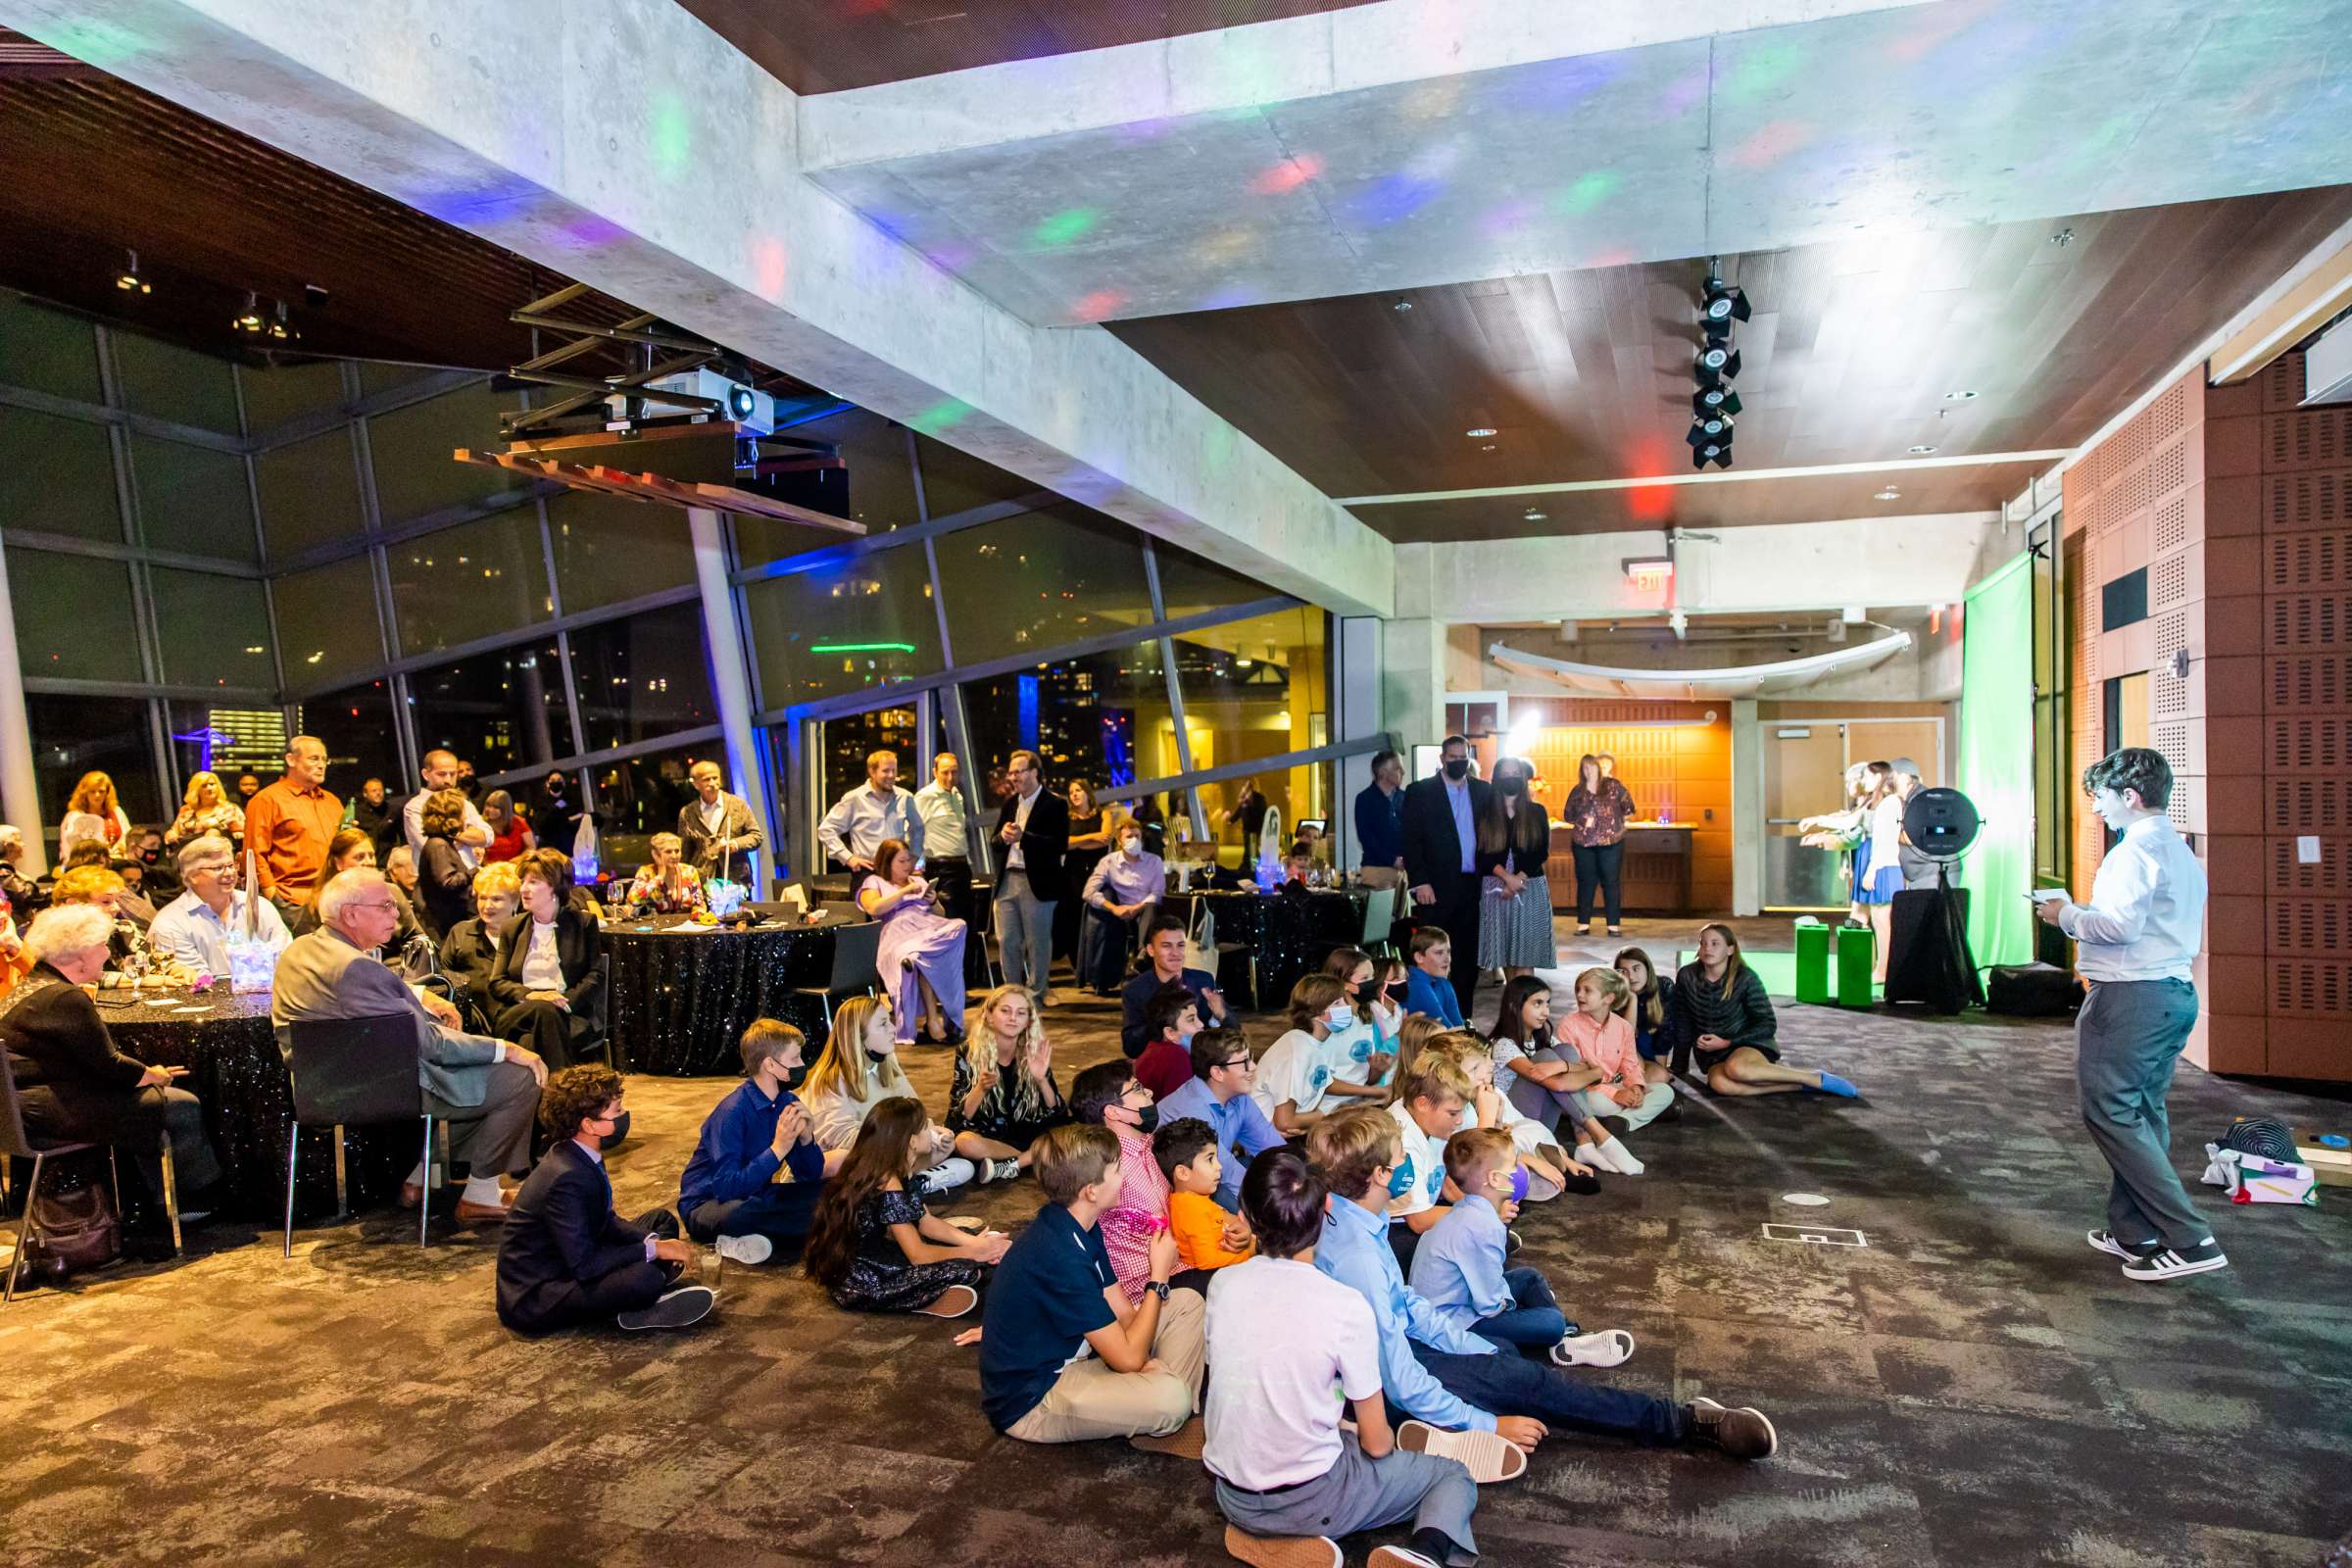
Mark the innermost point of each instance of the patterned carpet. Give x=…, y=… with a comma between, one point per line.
x=1974, y=1387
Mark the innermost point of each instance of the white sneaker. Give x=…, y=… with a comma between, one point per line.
x=1620, y=1158
x=746, y=1250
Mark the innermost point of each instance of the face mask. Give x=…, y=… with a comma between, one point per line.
x=1146, y=1119
x=1131, y=848
x=1458, y=767
x=1339, y=1016
x=884, y=1055
x=1401, y=1180
x=1397, y=993
x=1184, y=1041
x=1519, y=1184
x=1513, y=787
x=621, y=1128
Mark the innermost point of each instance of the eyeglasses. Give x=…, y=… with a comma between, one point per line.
x=1237, y=1063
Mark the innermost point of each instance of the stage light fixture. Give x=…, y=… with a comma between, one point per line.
x=1708, y=427
x=128, y=279
x=1720, y=307
x=1714, y=400
x=249, y=320
x=1719, y=453
x=1717, y=362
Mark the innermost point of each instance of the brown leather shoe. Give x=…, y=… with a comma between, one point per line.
x=472, y=1213
x=410, y=1194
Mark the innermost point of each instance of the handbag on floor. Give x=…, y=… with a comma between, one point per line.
x=75, y=1230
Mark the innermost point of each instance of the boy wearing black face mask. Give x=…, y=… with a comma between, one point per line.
x=1106, y=1094
x=565, y=1257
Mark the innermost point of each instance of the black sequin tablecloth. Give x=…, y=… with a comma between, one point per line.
x=1289, y=935
x=234, y=1067
x=683, y=994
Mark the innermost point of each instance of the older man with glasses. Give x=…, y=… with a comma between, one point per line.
x=486, y=1089
x=196, y=928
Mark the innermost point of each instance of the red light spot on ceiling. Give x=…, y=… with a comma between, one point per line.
x=1288, y=175
x=1099, y=305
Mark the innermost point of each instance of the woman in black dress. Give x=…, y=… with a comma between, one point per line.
x=872, y=1246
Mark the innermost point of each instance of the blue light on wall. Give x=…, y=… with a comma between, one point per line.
x=1026, y=687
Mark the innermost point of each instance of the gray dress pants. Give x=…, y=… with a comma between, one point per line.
x=2127, y=1036
x=1359, y=1494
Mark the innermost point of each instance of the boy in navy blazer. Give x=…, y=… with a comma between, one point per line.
x=566, y=1259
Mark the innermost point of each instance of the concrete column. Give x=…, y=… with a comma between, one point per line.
x=1412, y=684
x=19, y=797
x=730, y=675
x=1748, y=809
x=1358, y=714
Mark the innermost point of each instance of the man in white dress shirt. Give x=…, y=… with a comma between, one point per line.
x=946, y=823
x=2134, y=942
x=875, y=810
x=440, y=772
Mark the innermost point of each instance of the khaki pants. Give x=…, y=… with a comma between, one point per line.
x=1091, y=1400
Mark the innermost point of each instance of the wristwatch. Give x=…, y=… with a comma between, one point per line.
x=1158, y=1288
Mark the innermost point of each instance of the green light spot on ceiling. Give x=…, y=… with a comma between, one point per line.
x=1066, y=225
x=944, y=415
x=861, y=648
x=1763, y=70
x=671, y=138
x=97, y=42
x=1588, y=192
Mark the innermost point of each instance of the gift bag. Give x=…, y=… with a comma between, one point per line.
x=583, y=851
x=2257, y=1179
x=251, y=966
x=723, y=897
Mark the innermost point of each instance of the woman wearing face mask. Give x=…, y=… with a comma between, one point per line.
x=1514, y=906
x=1121, y=897
x=922, y=956
x=1294, y=1076
x=857, y=1072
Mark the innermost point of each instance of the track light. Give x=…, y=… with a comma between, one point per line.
x=1720, y=307
x=281, y=328
x=1714, y=400
x=128, y=279
x=249, y=320
x=1718, y=451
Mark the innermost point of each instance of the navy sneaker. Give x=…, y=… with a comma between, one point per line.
x=2174, y=1263
x=2106, y=1242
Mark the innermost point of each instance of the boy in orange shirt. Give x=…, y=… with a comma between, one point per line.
x=1207, y=1235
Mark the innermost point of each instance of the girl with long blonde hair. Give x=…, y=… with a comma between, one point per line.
x=1004, y=1097
x=857, y=1070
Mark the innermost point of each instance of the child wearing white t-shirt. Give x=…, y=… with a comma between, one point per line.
x=1296, y=1073
x=1291, y=1343
x=1428, y=1111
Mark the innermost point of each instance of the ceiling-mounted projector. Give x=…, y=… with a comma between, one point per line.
x=750, y=407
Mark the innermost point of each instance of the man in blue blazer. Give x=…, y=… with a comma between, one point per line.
x=566, y=1259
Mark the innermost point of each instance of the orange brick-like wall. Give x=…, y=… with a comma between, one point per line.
x=1689, y=765
x=2280, y=495
x=2240, y=506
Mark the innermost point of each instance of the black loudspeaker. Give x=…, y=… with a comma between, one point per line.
x=1926, y=957
x=2033, y=991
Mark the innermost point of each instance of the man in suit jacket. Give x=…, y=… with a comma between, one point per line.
x=1032, y=836
x=716, y=825
x=485, y=1088
x=566, y=1259
x=1441, y=835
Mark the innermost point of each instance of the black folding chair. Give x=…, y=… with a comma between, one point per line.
x=351, y=1072
x=17, y=1143
x=857, y=960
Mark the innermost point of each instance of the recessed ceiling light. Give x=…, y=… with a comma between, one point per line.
x=1532, y=514
x=1404, y=305
x=1489, y=447
x=1958, y=397
x=1890, y=495
x=1479, y=432
x=1921, y=451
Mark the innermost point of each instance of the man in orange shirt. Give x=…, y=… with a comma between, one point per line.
x=289, y=825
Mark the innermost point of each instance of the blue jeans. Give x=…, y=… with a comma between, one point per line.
x=1024, y=933
x=1513, y=1385
x=782, y=1212
x=1535, y=1320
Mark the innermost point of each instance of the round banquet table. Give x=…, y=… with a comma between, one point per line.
x=683, y=994
x=1290, y=934
x=235, y=1069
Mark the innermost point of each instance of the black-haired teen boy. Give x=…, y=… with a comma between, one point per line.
x=1283, y=1336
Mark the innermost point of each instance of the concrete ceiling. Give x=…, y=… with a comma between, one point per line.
x=1415, y=143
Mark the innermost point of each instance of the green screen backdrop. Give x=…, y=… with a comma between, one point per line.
x=1996, y=761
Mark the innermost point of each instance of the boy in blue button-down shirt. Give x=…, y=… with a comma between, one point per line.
x=729, y=1188
x=1447, y=1378
x=1458, y=1266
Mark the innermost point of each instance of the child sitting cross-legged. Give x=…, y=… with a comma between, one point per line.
x=1206, y=1237
x=1106, y=1094
x=1602, y=1033
x=1539, y=1073
x=1296, y=1073
x=1551, y=1173
x=1458, y=1266
x=873, y=1247
x=1295, y=1350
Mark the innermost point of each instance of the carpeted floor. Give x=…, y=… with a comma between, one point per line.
x=1974, y=1387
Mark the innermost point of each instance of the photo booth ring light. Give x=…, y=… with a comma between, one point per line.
x=1941, y=823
